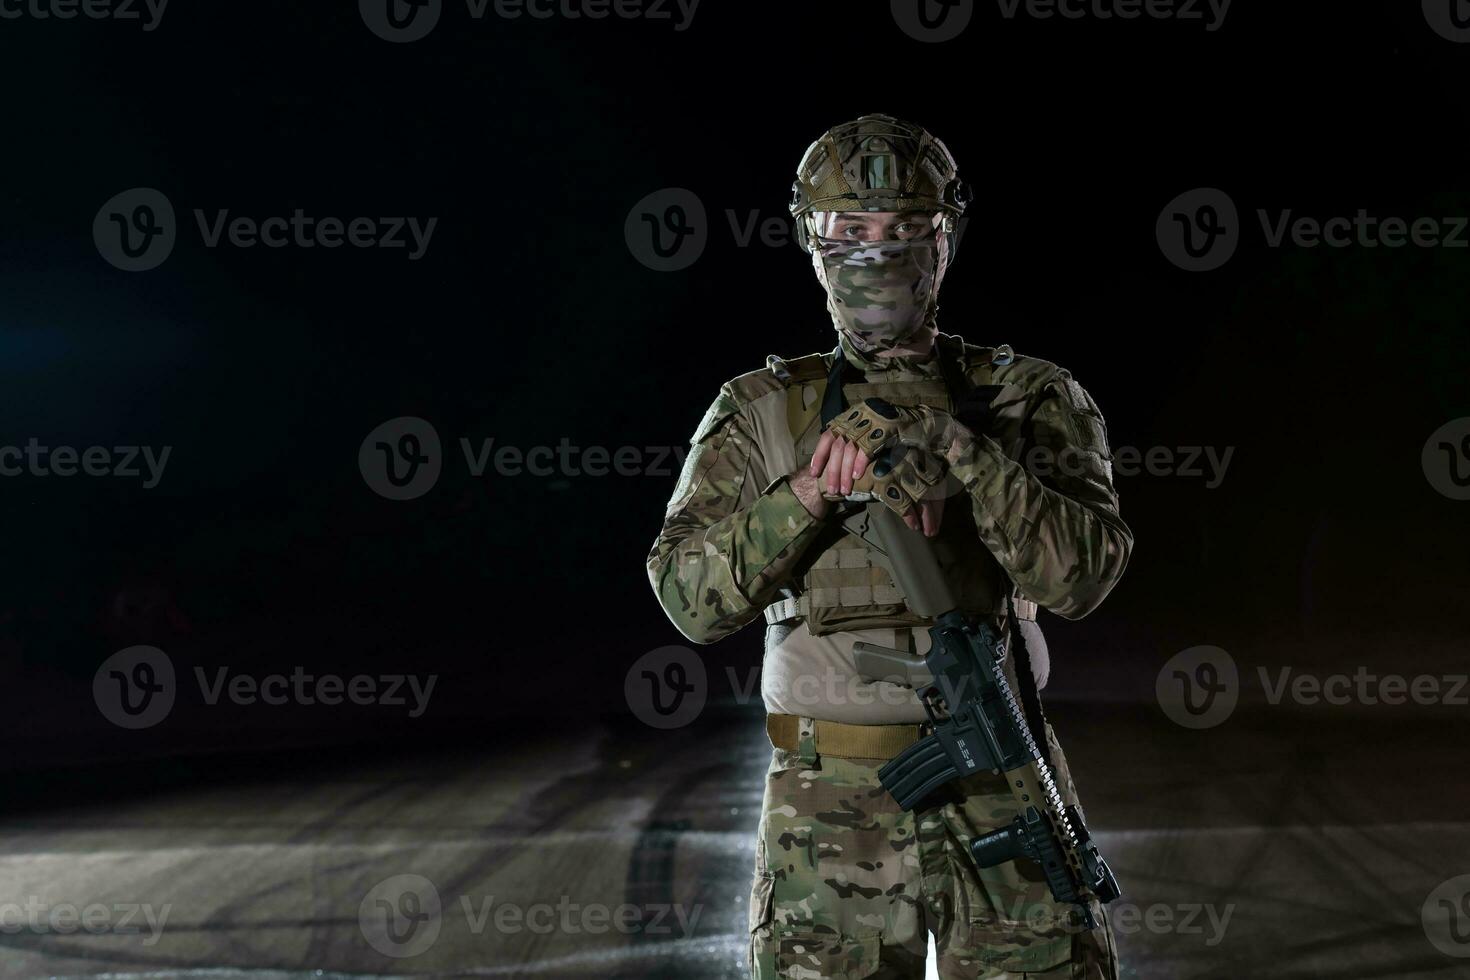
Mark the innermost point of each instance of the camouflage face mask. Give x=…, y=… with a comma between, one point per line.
x=880, y=294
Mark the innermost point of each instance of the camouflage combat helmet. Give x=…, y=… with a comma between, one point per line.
x=876, y=163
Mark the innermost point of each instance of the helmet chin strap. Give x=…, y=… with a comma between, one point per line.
x=943, y=252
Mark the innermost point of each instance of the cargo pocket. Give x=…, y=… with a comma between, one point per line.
x=814, y=957
x=760, y=923
x=1050, y=959
x=760, y=899
x=1019, y=954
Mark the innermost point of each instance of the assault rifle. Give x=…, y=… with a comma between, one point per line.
x=977, y=723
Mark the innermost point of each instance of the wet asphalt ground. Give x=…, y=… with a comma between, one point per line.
x=1276, y=845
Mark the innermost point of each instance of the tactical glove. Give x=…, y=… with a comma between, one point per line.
x=903, y=475
x=875, y=425
x=900, y=477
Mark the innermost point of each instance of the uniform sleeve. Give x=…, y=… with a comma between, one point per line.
x=1052, y=523
x=726, y=547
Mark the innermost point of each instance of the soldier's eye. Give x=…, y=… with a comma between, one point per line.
x=854, y=232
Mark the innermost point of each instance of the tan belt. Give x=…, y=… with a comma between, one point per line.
x=845, y=741
x=799, y=607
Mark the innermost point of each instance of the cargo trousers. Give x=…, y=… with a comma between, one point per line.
x=849, y=886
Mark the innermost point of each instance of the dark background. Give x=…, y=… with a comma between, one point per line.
x=529, y=320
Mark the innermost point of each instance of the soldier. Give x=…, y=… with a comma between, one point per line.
x=1017, y=497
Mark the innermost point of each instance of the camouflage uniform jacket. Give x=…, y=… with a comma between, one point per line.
x=1043, y=513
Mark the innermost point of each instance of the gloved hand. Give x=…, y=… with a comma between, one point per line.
x=876, y=424
x=904, y=477
x=888, y=450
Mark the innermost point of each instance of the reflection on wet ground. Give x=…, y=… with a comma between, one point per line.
x=1272, y=846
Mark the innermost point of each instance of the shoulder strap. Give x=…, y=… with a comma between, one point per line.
x=1026, y=678
x=951, y=353
x=953, y=366
x=834, y=402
